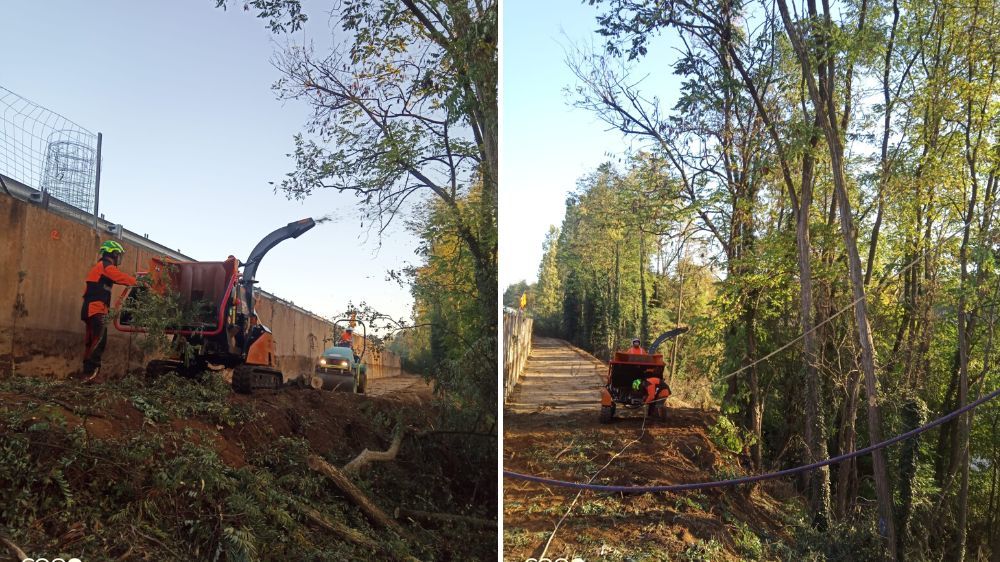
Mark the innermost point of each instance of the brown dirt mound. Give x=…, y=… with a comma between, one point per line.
x=336, y=424
x=431, y=472
x=715, y=524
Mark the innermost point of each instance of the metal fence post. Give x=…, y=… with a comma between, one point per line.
x=97, y=179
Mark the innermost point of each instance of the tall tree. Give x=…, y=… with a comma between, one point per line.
x=824, y=104
x=547, y=306
x=404, y=104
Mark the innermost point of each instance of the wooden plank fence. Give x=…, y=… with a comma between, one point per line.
x=516, y=347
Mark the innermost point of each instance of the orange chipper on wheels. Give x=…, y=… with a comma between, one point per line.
x=636, y=380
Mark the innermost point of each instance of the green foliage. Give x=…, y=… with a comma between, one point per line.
x=602, y=260
x=726, y=435
x=452, y=347
x=156, y=310
x=174, y=396
x=282, y=15
x=162, y=490
x=842, y=542
x=512, y=294
x=702, y=551
x=748, y=544
x=546, y=307
x=729, y=436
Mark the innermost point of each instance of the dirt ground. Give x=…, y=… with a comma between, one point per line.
x=558, y=378
x=328, y=420
x=429, y=473
x=565, y=441
x=406, y=384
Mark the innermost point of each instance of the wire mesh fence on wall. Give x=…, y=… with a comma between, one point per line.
x=47, y=152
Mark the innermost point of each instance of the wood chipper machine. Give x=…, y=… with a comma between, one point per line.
x=221, y=328
x=636, y=380
x=339, y=367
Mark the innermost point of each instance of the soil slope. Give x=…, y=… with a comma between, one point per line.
x=174, y=469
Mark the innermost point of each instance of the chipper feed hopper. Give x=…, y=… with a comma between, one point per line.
x=221, y=327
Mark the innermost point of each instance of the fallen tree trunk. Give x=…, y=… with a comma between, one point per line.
x=346, y=533
x=368, y=456
x=444, y=518
x=16, y=552
x=372, y=511
x=339, y=529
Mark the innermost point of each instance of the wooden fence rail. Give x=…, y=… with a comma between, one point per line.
x=516, y=347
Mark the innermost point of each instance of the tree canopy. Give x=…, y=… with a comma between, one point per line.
x=827, y=178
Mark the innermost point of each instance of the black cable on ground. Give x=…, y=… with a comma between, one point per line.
x=759, y=477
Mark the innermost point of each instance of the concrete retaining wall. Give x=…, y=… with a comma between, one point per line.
x=44, y=257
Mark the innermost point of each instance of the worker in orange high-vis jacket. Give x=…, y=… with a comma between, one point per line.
x=636, y=348
x=346, y=338
x=97, y=302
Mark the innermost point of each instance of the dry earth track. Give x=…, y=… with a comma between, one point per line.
x=559, y=378
x=406, y=382
x=551, y=429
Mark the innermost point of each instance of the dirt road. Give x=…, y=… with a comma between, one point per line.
x=406, y=383
x=551, y=429
x=558, y=379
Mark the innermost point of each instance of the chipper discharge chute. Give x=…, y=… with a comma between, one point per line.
x=220, y=325
x=340, y=368
x=635, y=380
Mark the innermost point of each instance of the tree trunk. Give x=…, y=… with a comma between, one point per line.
x=963, y=336
x=616, y=313
x=372, y=511
x=886, y=132
x=680, y=300
x=342, y=531
x=846, y=470
x=644, y=320
x=486, y=288
x=865, y=340
x=824, y=107
x=912, y=417
x=819, y=481
x=368, y=456
x=993, y=537
x=756, y=398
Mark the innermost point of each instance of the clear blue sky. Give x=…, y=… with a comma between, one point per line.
x=193, y=133
x=547, y=145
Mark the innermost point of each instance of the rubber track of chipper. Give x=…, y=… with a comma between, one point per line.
x=247, y=379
